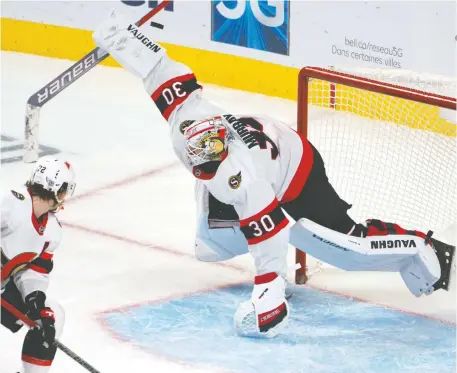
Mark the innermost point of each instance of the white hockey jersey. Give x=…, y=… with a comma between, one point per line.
x=27, y=244
x=267, y=164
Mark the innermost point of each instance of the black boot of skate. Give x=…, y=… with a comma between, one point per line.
x=445, y=254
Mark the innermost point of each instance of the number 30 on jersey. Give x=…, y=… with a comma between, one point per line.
x=174, y=92
x=265, y=224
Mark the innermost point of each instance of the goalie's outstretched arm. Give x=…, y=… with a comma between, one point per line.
x=170, y=84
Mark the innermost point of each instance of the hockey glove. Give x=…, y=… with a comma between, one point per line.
x=267, y=314
x=134, y=50
x=37, y=311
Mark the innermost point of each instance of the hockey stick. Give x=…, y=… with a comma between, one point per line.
x=62, y=82
x=30, y=323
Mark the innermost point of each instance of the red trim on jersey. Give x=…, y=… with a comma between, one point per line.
x=180, y=78
x=200, y=174
x=166, y=114
x=266, y=210
x=46, y=256
x=266, y=236
x=38, y=269
x=155, y=95
x=38, y=266
x=301, y=174
x=39, y=226
x=263, y=279
x=35, y=361
x=18, y=260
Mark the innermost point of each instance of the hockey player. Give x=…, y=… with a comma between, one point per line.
x=250, y=170
x=30, y=235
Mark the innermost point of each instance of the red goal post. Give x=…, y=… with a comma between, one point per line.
x=342, y=94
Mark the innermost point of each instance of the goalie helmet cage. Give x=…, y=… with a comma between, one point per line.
x=388, y=148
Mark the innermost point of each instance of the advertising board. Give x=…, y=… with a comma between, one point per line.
x=256, y=45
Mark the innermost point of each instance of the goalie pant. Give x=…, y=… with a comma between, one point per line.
x=25, y=272
x=268, y=167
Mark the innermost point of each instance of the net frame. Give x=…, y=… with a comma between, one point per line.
x=307, y=74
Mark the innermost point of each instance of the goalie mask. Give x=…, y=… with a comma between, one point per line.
x=206, y=141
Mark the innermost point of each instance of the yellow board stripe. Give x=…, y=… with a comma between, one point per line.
x=227, y=71
x=391, y=109
x=381, y=107
x=210, y=67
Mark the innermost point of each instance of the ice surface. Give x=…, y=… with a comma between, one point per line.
x=129, y=230
x=326, y=333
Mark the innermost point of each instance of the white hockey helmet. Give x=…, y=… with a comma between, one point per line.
x=206, y=141
x=54, y=175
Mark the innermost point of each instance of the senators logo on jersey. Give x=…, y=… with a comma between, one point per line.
x=235, y=181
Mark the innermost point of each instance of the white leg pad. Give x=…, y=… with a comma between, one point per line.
x=135, y=50
x=421, y=272
x=409, y=255
x=353, y=253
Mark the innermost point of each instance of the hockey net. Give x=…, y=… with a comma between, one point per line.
x=388, y=140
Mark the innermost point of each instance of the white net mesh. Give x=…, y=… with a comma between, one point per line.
x=393, y=159
x=437, y=84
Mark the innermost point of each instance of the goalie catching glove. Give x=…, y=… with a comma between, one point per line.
x=267, y=313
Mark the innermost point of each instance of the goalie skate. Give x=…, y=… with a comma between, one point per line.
x=445, y=254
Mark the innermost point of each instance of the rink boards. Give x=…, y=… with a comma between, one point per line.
x=232, y=71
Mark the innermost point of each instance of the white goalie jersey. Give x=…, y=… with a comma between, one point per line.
x=27, y=244
x=267, y=164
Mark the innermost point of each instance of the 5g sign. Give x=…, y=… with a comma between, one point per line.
x=257, y=24
x=275, y=20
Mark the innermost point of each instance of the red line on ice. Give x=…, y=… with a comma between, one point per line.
x=147, y=245
x=123, y=182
